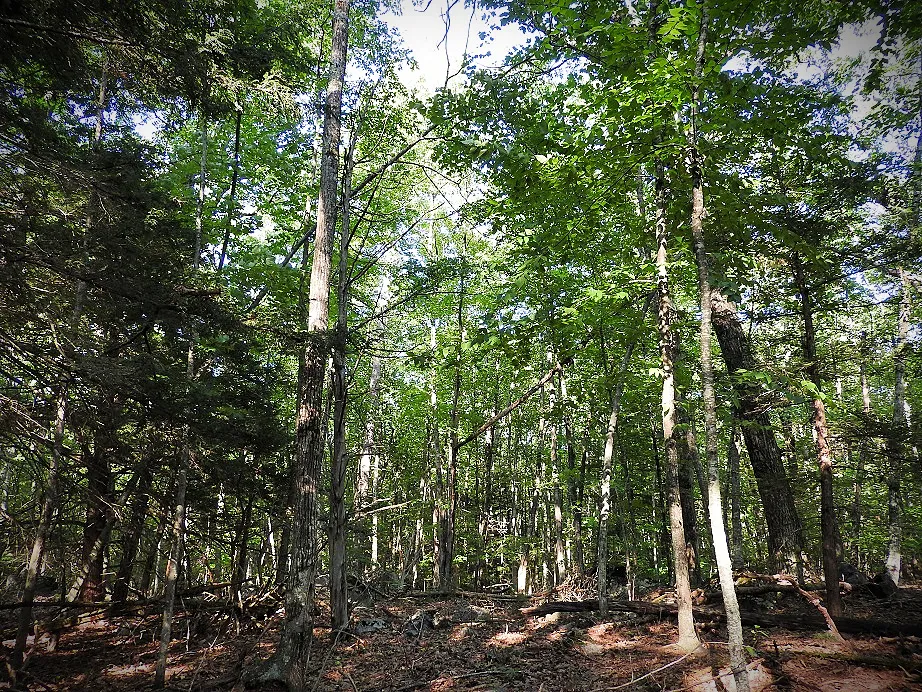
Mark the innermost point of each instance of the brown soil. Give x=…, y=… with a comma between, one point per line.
x=507, y=651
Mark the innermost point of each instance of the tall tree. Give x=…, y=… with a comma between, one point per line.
x=291, y=658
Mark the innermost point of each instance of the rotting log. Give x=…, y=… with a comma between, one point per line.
x=806, y=622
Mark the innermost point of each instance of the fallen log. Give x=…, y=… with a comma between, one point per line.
x=794, y=622
x=886, y=662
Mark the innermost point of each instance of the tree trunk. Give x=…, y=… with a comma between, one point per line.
x=781, y=517
x=661, y=550
x=718, y=533
x=895, y=445
x=50, y=499
x=486, y=505
x=49, y=503
x=863, y=453
x=172, y=569
x=339, y=598
x=736, y=521
x=135, y=530
x=823, y=452
x=574, y=485
x=291, y=660
x=688, y=460
x=560, y=560
x=185, y=460
x=98, y=478
x=605, y=503
x=241, y=550
x=688, y=639
x=231, y=221
x=447, y=557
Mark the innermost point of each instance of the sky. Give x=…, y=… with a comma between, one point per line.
x=422, y=27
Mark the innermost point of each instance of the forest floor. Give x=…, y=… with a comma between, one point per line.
x=473, y=642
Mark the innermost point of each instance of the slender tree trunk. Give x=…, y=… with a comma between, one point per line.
x=895, y=445
x=736, y=522
x=556, y=492
x=50, y=499
x=688, y=459
x=98, y=478
x=486, y=505
x=240, y=563
x=574, y=485
x=172, y=569
x=148, y=584
x=688, y=639
x=292, y=656
x=49, y=503
x=339, y=599
x=447, y=556
x=718, y=533
x=661, y=550
x=863, y=453
x=605, y=503
x=782, y=519
x=823, y=452
x=186, y=457
x=366, y=484
x=135, y=530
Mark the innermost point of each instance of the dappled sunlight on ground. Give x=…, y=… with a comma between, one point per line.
x=503, y=650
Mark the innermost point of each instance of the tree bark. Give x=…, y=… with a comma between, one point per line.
x=232, y=196
x=98, y=479
x=781, y=517
x=290, y=662
x=339, y=599
x=688, y=639
x=449, y=517
x=718, y=533
x=171, y=577
x=688, y=459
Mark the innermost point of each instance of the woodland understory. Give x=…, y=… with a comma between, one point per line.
x=592, y=368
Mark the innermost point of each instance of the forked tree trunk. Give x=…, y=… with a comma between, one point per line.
x=688, y=638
